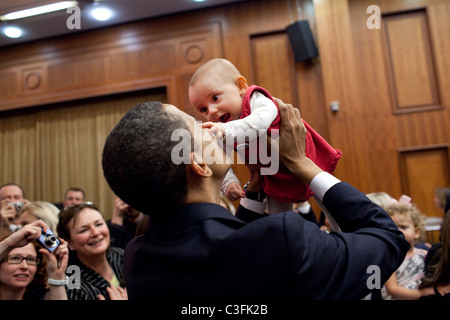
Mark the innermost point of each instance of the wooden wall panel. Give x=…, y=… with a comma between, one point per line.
x=419, y=129
x=410, y=62
x=8, y=79
x=305, y=91
x=424, y=170
x=108, y=66
x=341, y=81
x=274, y=50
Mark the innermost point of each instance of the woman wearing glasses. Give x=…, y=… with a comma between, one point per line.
x=101, y=266
x=27, y=269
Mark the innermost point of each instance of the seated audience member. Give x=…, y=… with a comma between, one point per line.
x=404, y=283
x=72, y=196
x=436, y=282
x=101, y=266
x=123, y=224
x=12, y=199
x=196, y=249
x=440, y=199
x=26, y=267
x=39, y=210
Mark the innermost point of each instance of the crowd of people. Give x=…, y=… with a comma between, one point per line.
x=31, y=269
x=174, y=235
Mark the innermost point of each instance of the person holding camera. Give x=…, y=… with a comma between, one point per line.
x=12, y=199
x=28, y=270
x=101, y=266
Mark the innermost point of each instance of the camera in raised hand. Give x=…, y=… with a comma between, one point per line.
x=17, y=205
x=49, y=240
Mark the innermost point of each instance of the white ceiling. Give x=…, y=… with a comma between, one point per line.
x=54, y=24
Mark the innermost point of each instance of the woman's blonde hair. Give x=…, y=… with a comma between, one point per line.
x=381, y=198
x=44, y=211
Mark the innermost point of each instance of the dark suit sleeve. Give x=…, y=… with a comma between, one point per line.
x=344, y=261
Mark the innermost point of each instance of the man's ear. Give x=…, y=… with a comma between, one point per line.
x=199, y=168
x=241, y=83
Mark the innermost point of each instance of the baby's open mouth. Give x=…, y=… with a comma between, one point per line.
x=225, y=117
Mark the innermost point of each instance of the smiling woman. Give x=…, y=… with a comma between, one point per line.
x=85, y=229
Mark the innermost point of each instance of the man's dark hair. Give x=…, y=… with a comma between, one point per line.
x=137, y=161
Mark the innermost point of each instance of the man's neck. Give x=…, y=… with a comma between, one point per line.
x=204, y=190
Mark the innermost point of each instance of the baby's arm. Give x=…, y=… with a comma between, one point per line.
x=231, y=186
x=263, y=113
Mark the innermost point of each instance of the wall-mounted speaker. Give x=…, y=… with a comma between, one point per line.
x=302, y=41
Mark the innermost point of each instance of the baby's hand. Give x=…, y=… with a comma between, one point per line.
x=234, y=191
x=215, y=128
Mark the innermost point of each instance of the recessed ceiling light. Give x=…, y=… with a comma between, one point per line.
x=38, y=10
x=12, y=32
x=101, y=13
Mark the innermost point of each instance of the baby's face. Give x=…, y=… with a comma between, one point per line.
x=217, y=99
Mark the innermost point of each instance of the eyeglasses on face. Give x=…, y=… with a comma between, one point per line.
x=31, y=261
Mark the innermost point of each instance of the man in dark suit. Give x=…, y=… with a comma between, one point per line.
x=196, y=249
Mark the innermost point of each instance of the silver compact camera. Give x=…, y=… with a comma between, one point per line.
x=17, y=205
x=49, y=240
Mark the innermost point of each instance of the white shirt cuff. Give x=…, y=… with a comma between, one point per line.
x=321, y=183
x=253, y=205
x=304, y=209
